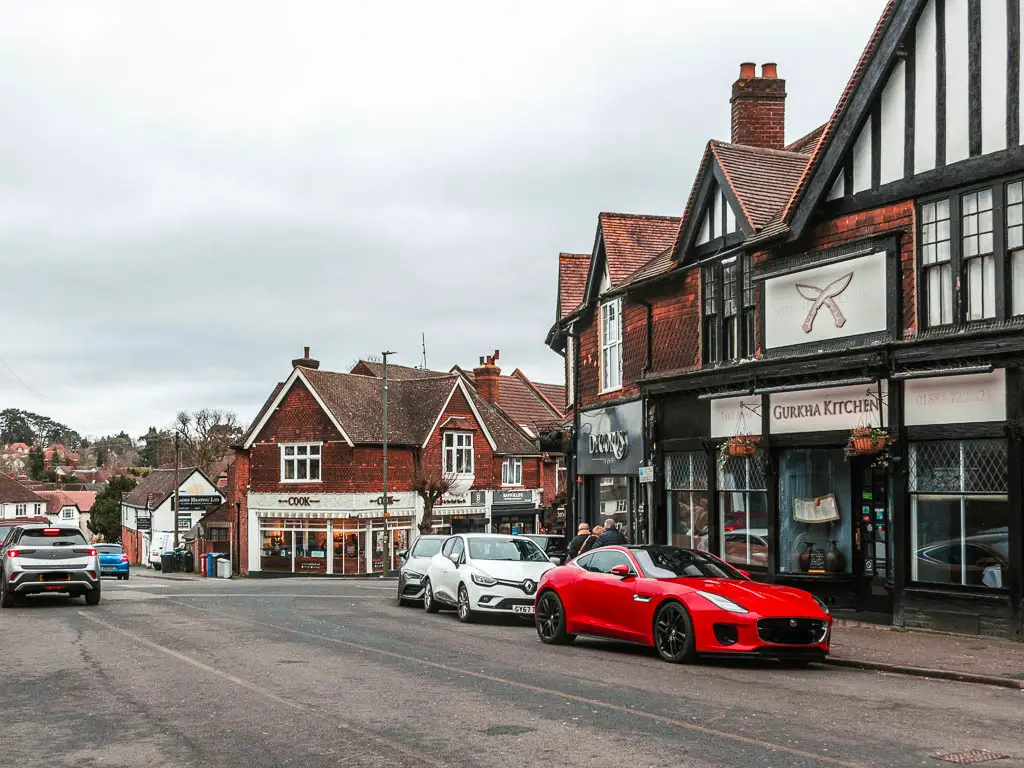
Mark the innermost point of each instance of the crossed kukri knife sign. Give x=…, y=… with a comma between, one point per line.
x=824, y=297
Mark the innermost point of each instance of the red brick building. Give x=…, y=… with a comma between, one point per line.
x=308, y=478
x=866, y=280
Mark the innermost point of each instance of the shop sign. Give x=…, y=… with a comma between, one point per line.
x=610, y=440
x=143, y=522
x=199, y=502
x=835, y=301
x=956, y=399
x=299, y=501
x=331, y=504
x=646, y=474
x=184, y=522
x=512, y=497
x=824, y=410
x=732, y=416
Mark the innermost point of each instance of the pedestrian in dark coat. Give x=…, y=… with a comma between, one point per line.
x=582, y=534
x=611, y=536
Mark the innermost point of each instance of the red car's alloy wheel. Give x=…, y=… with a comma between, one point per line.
x=551, y=620
x=673, y=634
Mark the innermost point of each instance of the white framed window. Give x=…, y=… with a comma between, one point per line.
x=20, y=510
x=300, y=462
x=611, y=345
x=458, y=453
x=512, y=472
x=68, y=513
x=39, y=509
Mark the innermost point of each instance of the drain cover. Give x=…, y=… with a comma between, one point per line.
x=970, y=757
x=508, y=730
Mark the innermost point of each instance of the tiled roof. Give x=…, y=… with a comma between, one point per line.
x=160, y=483
x=13, y=492
x=553, y=393
x=356, y=401
x=57, y=499
x=521, y=401
x=263, y=410
x=656, y=267
x=807, y=143
x=761, y=179
x=369, y=368
x=573, y=269
x=509, y=439
x=837, y=114
x=630, y=240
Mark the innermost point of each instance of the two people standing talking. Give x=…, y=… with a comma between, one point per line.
x=586, y=540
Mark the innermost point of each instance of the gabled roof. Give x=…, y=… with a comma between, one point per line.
x=372, y=368
x=630, y=240
x=572, y=282
x=160, y=483
x=526, y=402
x=57, y=499
x=807, y=143
x=13, y=492
x=901, y=11
x=759, y=180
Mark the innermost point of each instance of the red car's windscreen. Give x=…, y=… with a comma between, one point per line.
x=675, y=563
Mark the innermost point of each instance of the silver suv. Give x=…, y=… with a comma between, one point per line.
x=40, y=559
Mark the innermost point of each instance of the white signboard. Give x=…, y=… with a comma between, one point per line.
x=831, y=302
x=824, y=410
x=732, y=416
x=956, y=399
x=646, y=474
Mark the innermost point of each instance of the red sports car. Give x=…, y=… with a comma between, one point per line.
x=681, y=601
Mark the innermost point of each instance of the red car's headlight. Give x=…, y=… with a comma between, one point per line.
x=722, y=602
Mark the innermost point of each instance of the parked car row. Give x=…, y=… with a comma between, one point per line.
x=681, y=602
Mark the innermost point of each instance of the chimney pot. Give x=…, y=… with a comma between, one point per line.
x=748, y=70
x=305, y=352
x=487, y=379
x=770, y=70
x=759, y=107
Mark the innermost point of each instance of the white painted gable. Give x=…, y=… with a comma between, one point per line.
x=718, y=219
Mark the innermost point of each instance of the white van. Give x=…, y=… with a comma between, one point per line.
x=161, y=542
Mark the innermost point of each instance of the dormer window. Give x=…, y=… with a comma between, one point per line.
x=729, y=304
x=458, y=453
x=611, y=345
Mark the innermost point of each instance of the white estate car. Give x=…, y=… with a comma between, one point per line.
x=485, y=573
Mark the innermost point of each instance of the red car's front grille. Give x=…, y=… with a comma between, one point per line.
x=792, y=631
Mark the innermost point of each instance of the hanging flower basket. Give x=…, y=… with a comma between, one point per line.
x=743, y=446
x=867, y=441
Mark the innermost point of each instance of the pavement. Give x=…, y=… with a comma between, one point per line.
x=309, y=672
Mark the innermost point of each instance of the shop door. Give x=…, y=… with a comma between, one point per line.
x=349, y=549
x=871, y=534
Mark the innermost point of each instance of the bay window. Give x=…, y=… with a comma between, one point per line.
x=960, y=514
x=300, y=462
x=611, y=345
x=458, y=453
x=512, y=472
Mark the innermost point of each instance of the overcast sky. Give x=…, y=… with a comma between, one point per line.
x=192, y=191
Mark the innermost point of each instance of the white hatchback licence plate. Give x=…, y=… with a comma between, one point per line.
x=522, y=609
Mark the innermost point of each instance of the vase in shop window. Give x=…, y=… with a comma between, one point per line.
x=835, y=561
x=805, y=557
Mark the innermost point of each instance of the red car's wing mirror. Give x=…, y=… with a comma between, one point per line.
x=622, y=571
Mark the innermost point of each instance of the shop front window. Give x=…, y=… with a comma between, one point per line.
x=276, y=554
x=614, y=501
x=686, y=481
x=960, y=513
x=815, y=501
x=293, y=546
x=743, y=510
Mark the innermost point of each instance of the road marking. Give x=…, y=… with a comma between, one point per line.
x=188, y=660
x=550, y=692
x=423, y=758
x=276, y=594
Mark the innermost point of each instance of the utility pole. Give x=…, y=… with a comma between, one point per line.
x=177, y=460
x=387, y=533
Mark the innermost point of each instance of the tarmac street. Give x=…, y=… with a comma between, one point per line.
x=309, y=672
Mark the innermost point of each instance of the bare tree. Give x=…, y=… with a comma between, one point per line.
x=431, y=482
x=207, y=436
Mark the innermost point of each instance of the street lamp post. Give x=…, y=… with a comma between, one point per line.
x=387, y=540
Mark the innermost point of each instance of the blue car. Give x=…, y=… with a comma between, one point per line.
x=113, y=560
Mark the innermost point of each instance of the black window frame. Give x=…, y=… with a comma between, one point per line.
x=728, y=310
x=1002, y=257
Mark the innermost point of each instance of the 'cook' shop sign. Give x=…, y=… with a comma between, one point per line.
x=825, y=410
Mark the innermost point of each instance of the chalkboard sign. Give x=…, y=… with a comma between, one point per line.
x=817, y=563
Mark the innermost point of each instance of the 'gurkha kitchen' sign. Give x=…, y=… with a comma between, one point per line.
x=830, y=302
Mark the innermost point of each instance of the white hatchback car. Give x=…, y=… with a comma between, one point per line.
x=485, y=573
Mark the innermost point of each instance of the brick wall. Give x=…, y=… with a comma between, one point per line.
x=236, y=493
x=896, y=218
x=676, y=324
x=131, y=542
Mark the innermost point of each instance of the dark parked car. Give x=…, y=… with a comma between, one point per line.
x=553, y=545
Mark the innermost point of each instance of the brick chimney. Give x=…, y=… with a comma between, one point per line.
x=305, y=361
x=488, y=379
x=759, y=107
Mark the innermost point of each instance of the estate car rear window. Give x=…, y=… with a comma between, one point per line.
x=38, y=538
